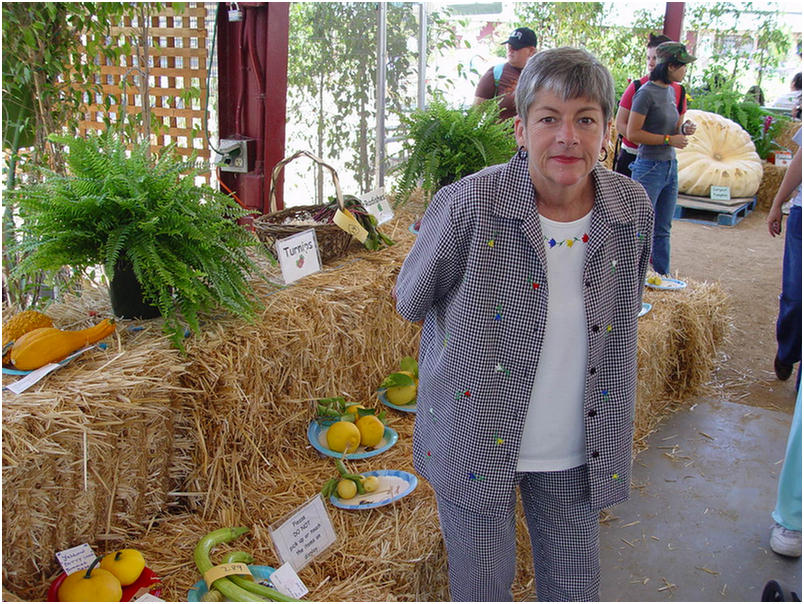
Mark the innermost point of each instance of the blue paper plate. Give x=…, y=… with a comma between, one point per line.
x=412, y=228
x=667, y=284
x=260, y=573
x=409, y=408
x=63, y=362
x=316, y=434
x=645, y=309
x=409, y=478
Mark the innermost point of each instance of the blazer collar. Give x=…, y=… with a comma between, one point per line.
x=515, y=197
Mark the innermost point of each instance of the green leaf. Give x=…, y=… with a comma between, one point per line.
x=409, y=364
x=397, y=379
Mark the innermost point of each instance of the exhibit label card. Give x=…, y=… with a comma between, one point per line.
x=377, y=204
x=305, y=534
x=298, y=255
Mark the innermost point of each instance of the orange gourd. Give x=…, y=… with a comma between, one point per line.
x=48, y=344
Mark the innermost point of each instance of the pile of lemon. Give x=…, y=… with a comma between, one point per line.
x=654, y=279
x=401, y=387
x=359, y=426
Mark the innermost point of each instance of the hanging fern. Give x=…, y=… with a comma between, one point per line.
x=181, y=239
x=443, y=145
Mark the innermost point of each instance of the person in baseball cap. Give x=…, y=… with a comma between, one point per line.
x=500, y=81
x=673, y=52
x=521, y=37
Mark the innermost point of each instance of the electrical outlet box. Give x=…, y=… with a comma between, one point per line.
x=236, y=154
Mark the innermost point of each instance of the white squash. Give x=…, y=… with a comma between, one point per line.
x=720, y=153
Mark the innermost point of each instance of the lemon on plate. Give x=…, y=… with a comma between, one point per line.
x=371, y=430
x=343, y=436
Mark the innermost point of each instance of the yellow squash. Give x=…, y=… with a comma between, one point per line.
x=20, y=324
x=125, y=564
x=92, y=585
x=48, y=344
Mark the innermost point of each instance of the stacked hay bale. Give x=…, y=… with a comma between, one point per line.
x=772, y=174
x=91, y=453
x=245, y=393
x=337, y=333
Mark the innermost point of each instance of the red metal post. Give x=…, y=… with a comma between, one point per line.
x=252, y=92
x=673, y=20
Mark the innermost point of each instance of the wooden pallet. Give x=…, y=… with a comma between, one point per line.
x=706, y=211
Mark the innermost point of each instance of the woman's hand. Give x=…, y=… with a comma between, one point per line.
x=679, y=141
x=688, y=128
x=775, y=220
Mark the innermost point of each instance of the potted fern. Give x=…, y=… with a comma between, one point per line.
x=442, y=145
x=143, y=215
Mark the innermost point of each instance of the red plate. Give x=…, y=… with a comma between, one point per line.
x=147, y=581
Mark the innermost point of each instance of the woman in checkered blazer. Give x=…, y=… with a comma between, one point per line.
x=528, y=278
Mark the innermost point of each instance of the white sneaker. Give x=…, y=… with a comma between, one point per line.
x=785, y=542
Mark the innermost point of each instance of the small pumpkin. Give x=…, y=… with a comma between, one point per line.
x=125, y=564
x=94, y=584
x=20, y=324
x=48, y=344
x=720, y=153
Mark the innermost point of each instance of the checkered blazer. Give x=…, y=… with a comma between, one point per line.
x=477, y=276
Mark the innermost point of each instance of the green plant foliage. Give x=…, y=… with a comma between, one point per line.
x=332, y=76
x=443, y=145
x=580, y=24
x=182, y=240
x=762, y=126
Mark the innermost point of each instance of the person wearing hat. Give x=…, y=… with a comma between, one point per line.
x=655, y=124
x=500, y=80
x=628, y=150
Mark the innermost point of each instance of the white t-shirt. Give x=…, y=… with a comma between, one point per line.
x=553, y=436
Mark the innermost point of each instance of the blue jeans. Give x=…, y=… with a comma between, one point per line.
x=660, y=180
x=788, y=324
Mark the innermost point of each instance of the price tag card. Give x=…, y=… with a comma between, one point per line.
x=721, y=193
x=298, y=255
x=782, y=158
x=305, y=534
x=76, y=558
x=286, y=581
x=377, y=204
x=346, y=220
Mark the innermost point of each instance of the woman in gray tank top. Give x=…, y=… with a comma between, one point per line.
x=654, y=123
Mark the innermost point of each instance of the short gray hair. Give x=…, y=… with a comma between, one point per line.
x=569, y=73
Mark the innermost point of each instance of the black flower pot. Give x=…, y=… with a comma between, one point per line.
x=126, y=294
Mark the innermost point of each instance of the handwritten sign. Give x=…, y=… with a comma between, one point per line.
x=224, y=570
x=298, y=255
x=286, y=581
x=377, y=204
x=346, y=220
x=721, y=193
x=305, y=534
x=76, y=558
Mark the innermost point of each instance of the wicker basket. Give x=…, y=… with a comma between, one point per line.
x=332, y=240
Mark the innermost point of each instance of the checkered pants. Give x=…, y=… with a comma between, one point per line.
x=564, y=535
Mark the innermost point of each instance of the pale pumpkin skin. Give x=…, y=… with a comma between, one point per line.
x=720, y=153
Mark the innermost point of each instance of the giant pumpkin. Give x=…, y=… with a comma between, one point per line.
x=720, y=153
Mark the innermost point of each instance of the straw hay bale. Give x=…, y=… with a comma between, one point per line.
x=248, y=393
x=337, y=333
x=785, y=138
x=772, y=176
x=90, y=453
x=678, y=341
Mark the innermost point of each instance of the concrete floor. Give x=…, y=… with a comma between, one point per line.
x=697, y=525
